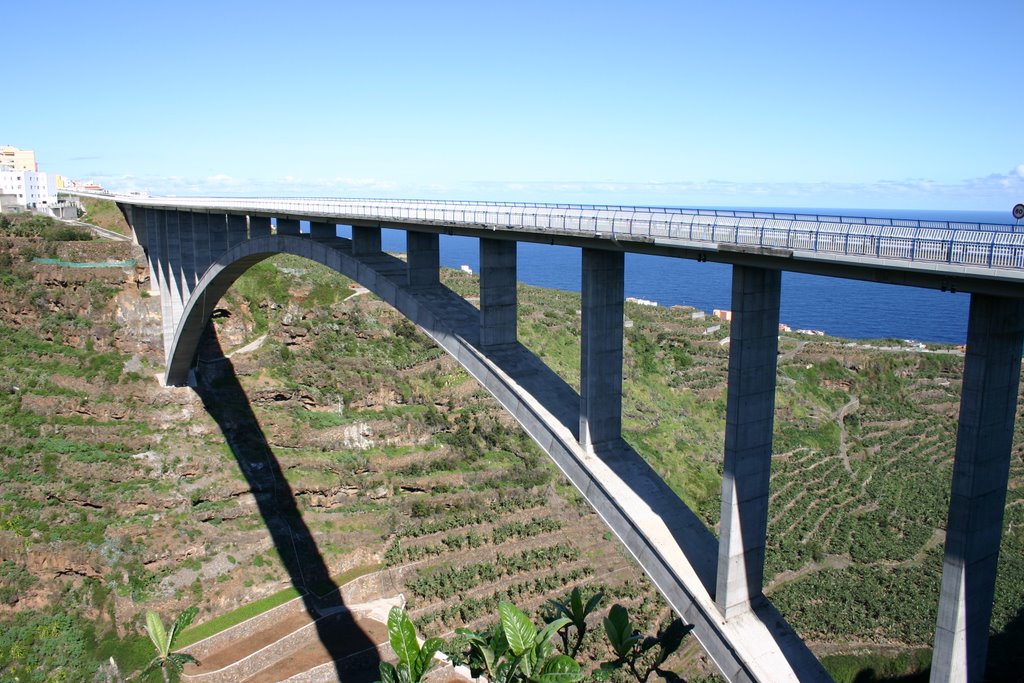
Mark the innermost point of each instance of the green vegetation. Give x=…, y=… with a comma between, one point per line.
x=389, y=451
x=640, y=655
x=414, y=661
x=105, y=214
x=164, y=640
x=48, y=229
x=237, y=616
x=519, y=651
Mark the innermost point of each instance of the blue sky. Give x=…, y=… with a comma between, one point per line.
x=890, y=104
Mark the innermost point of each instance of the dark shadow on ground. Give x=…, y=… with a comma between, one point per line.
x=353, y=651
x=1006, y=653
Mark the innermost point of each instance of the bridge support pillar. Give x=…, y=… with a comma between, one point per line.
x=165, y=273
x=172, y=231
x=288, y=226
x=750, y=411
x=216, y=237
x=603, y=289
x=145, y=231
x=423, y=258
x=988, y=404
x=322, y=231
x=365, y=240
x=237, y=230
x=498, y=300
x=202, y=225
x=259, y=226
x=186, y=254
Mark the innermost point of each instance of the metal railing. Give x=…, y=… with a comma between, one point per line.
x=851, y=238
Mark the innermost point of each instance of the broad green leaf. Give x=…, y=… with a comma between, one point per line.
x=519, y=630
x=559, y=669
x=470, y=636
x=181, y=623
x=620, y=631
x=577, y=604
x=506, y=673
x=402, y=635
x=550, y=630
x=593, y=603
x=387, y=673
x=527, y=663
x=157, y=634
x=426, y=656
x=499, y=643
x=560, y=607
x=178, y=660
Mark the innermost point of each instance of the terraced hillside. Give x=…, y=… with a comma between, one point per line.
x=326, y=434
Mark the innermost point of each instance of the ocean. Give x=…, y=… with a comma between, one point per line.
x=843, y=308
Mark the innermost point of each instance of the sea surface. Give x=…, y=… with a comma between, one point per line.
x=843, y=308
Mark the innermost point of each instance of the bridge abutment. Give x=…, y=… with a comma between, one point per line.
x=988, y=405
x=498, y=296
x=749, y=419
x=603, y=291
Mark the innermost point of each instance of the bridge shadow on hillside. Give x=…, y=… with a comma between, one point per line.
x=355, y=657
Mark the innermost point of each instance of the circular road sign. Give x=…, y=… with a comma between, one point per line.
x=1018, y=211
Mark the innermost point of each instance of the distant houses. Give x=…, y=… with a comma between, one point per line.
x=22, y=184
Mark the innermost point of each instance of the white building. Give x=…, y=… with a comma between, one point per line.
x=32, y=188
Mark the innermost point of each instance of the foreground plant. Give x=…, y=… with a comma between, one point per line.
x=163, y=641
x=633, y=651
x=517, y=651
x=414, y=661
x=577, y=614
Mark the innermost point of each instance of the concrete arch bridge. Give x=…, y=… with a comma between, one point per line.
x=197, y=247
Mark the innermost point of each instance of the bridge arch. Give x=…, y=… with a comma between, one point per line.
x=670, y=543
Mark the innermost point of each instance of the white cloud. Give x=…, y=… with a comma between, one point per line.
x=995, y=191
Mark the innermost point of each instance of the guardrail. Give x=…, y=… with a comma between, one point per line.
x=919, y=241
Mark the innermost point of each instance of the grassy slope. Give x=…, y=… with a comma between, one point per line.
x=104, y=214
x=852, y=547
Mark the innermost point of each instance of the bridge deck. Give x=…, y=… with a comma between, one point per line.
x=974, y=257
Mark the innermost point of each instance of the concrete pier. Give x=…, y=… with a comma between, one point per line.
x=215, y=237
x=204, y=225
x=365, y=240
x=603, y=290
x=287, y=226
x=150, y=245
x=165, y=275
x=423, y=256
x=322, y=231
x=172, y=233
x=186, y=254
x=498, y=299
x=259, y=226
x=749, y=418
x=237, y=230
x=988, y=404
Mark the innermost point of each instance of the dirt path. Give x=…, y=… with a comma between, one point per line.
x=248, y=348
x=830, y=562
x=840, y=417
